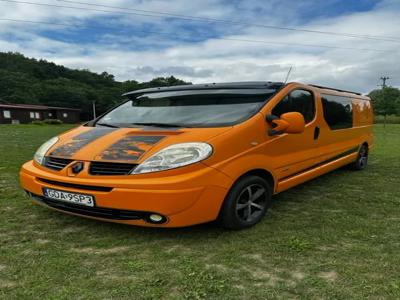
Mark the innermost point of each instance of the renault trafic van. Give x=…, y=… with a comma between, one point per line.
x=184, y=155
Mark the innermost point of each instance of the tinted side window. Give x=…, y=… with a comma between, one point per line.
x=338, y=111
x=297, y=101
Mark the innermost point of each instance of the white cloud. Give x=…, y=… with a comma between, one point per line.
x=215, y=60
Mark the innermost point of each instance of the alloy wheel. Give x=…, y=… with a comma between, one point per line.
x=251, y=203
x=363, y=157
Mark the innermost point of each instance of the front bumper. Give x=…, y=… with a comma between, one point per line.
x=184, y=198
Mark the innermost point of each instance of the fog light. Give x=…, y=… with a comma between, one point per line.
x=156, y=218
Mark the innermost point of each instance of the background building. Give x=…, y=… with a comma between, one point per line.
x=25, y=113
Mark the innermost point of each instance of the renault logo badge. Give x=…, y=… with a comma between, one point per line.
x=77, y=167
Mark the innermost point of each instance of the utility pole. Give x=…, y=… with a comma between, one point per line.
x=384, y=78
x=94, y=109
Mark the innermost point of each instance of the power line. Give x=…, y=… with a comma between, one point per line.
x=205, y=19
x=180, y=36
x=157, y=14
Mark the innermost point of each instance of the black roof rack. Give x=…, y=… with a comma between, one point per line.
x=333, y=89
x=206, y=86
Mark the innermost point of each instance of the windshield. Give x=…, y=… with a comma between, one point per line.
x=201, y=108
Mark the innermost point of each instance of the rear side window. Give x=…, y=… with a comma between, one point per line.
x=338, y=111
x=297, y=101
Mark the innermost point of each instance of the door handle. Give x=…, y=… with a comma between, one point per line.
x=316, y=133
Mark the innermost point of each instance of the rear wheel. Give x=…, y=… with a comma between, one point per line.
x=362, y=159
x=246, y=203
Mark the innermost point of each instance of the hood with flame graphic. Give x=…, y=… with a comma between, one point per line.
x=123, y=144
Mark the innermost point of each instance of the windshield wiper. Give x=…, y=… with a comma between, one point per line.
x=107, y=125
x=159, y=124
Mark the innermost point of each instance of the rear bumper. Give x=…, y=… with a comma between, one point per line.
x=184, y=199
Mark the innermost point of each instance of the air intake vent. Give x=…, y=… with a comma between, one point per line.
x=106, y=168
x=99, y=212
x=55, y=163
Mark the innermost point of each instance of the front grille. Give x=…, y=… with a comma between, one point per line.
x=107, y=168
x=77, y=186
x=55, y=163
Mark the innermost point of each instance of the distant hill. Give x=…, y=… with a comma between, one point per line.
x=28, y=80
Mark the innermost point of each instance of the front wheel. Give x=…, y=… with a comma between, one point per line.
x=362, y=159
x=246, y=203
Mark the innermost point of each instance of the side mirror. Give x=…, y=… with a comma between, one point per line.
x=291, y=122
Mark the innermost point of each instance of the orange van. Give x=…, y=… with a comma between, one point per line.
x=184, y=155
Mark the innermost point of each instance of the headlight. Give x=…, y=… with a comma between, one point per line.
x=41, y=152
x=175, y=156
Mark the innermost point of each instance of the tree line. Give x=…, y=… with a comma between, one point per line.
x=28, y=80
x=386, y=101
x=32, y=81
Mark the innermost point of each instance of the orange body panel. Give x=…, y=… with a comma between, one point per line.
x=194, y=194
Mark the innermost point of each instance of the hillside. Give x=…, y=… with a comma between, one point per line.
x=27, y=80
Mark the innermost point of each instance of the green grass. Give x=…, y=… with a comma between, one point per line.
x=336, y=237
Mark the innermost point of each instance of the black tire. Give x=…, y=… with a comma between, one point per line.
x=362, y=159
x=246, y=203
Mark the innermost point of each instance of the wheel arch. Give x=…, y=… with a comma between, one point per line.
x=365, y=143
x=265, y=174
x=259, y=172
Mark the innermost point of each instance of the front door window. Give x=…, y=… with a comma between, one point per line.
x=301, y=101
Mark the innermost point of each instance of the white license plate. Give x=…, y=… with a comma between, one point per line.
x=81, y=199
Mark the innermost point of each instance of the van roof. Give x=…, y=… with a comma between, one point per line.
x=210, y=86
x=239, y=85
x=340, y=92
x=333, y=89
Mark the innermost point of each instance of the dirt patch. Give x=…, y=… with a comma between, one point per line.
x=178, y=249
x=239, y=286
x=114, y=276
x=102, y=273
x=271, y=279
x=219, y=267
x=7, y=284
x=42, y=241
x=72, y=229
x=28, y=252
x=7, y=208
x=298, y=275
x=330, y=276
x=174, y=293
x=89, y=250
x=31, y=217
x=260, y=274
x=257, y=257
x=264, y=277
x=2, y=267
x=326, y=248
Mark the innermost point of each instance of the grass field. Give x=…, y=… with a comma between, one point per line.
x=336, y=237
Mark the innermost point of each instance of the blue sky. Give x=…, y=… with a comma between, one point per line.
x=134, y=46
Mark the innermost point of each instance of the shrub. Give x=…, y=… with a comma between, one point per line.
x=390, y=119
x=52, y=122
x=37, y=122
